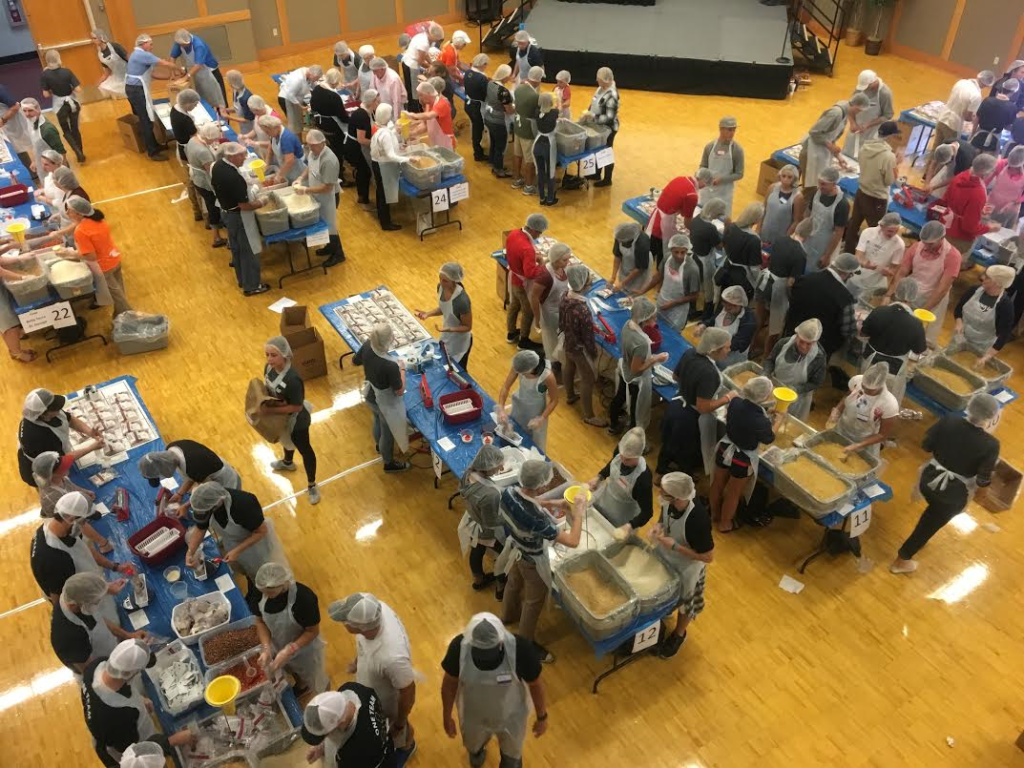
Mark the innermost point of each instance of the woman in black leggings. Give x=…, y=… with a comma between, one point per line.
x=286, y=387
x=481, y=527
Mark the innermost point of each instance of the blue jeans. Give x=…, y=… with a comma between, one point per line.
x=545, y=183
x=247, y=264
x=137, y=98
x=381, y=431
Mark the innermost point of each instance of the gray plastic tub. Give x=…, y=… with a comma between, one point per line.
x=799, y=495
x=422, y=178
x=136, y=332
x=597, y=627
x=570, y=137
x=272, y=221
x=241, y=752
x=597, y=135
x=995, y=373
x=452, y=163
x=831, y=436
x=942, y=394
x=30, y=289
x=668, y=593
x=737, y=368
x=164, y=658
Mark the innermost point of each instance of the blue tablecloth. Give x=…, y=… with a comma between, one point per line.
x=161, y=602
x=293, y=235
x=410, y=190
x=566, y=160
x=632, y=209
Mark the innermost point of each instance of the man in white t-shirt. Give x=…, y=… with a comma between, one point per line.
x=416, y=60
x=879, y=251
x=869, y=413
x=961, y=106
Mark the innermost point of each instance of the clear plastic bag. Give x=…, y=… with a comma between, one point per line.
x=140, y=326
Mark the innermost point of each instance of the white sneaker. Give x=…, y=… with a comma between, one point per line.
x=280, y=465
x=314, y=494
x=908, y=567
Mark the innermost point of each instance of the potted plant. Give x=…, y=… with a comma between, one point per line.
x=874, y=44
x=854, y=22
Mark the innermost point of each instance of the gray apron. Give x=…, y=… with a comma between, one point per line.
x=673, y=288
x=529, y=402
x=755, y=460
x=143, y=721
x=326, y=200
x=627, y=265
x=245, y=126
x=793, y=375
x=614, y=499
x=552, y=151
x=641, y=409
x=365, y=78
x=941, y=481
x=101, y=639
x=854, y=141
x=252, y=228
x=492, y=702
x=690, y=571
x=720, y=164
x=114, y=84
x=896, y=384
x=549, y=314
x=778, y=215
x=480, y=526
x=823, y=218
x=297, y=167
x=266, y=550
x=308, y=663
x=228, y=477
x=710, y=264
x=734, y=356
x=456, y=343
x=858, y=422
x=980, y=323
x=392, y=410
x=38, y=144
x=206, y=84
x=777, y=302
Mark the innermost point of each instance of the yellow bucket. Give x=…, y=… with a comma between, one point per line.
x=924, y=316
x=258, y=167
x=18, y=229
x=573, y=490
x=784, y=397
x=222, y=691
x=404, y=125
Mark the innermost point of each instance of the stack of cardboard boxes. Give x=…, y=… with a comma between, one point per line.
x=308, y=356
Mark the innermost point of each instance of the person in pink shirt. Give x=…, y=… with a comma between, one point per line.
x=1006, y=189
x=967, y=200
x=934, y=264
x=389, y=85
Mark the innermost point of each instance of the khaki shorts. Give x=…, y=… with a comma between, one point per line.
x=523, y=148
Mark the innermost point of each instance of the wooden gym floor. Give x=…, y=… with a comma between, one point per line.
x=857, y=670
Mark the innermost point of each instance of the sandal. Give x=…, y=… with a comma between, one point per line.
x=736, y=525
x=25, y=356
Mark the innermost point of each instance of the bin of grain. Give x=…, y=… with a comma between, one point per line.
x=595, y=594
x=857, y=466
x=655, y=583
x=808, y=482
x=947, y=383
x=32, y=283
x=736, y=376
x=995, y=372
x=423, y=170
x=272, y=218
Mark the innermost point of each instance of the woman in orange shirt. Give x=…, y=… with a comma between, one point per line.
x=93, y=243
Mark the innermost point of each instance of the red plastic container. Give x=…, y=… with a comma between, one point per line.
x=13, y=195
x=148, y=530
x=457, y=397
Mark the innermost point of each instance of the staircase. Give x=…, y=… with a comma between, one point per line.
x=499, y=34
x=815, y=29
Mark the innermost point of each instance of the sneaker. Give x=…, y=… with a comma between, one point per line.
x=159, y=158
x=314, y=494
x=392, y=227
x=333, y=261
x=325, y=251
x=518, y=184
x=512, y=338
x=546, y=656
x=615, y=429
x=280, y=465
x=529, y=344
x=603, y=183
x=503, y=174
x=220, y=242
x=670, y=645
x=397, y=466
x=529, y=190
x=261, y=288
x=905, y=566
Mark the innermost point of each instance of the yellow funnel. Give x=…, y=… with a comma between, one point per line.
x=784, y=397
x=18, y=229
x=258, y=167
x=573, y=490
x=222, y=691
x=924, y=316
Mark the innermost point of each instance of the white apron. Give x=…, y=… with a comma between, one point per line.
x=641, y=409
x=708, y=424
x=227, y=476
x=755, y=460
x=437, y=136
x=823, y=219
x=614, y=499
x=143, y=721
x=114, y=84
x=628, y=264
x=392, y=410
x=266, y=550
x=777, y=302
x=778, y=215
x=980, y=323
x=39, y=145
x=523, y=61
x=18, y=130
x=146, y=81
x=326, y=200
x=252, y=228
x=690, y=571
x=552, y=152
x=456, y=343
x=1004, y=193
x=58, y=103
x=83, y=562
x=941, y=481
x=854, y=141
x=895, y=383
x=720, y=164
x=308, y=663
x=390, y=173
x=858, y=421
x=793, y=375
x=549, y=314
x=816, y=157
x=529, y=402
x=297, y=167
x=734, y=356
x=365, y=78
x=673, y=288
x=101, y=639
x=205, y=83
x=492, y=702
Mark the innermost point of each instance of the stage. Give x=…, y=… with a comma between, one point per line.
x=704, y=47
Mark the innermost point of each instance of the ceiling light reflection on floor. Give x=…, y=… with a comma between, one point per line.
x=369, y=530
x=962, y=585
x=341, y=401
x=39, y=685
x=262, y=456
x=25, y=518
x=964, y=523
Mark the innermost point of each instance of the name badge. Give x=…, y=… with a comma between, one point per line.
x=622, y=481
x=503, y=679
x=720, y=152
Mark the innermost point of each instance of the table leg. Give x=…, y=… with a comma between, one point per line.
x=435, y=226
x=341, y=360
x=310, y=267
x=617, y=665
x=82, y=340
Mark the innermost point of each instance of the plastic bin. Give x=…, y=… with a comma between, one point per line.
x=831, y=436
x=248, y=621
x=452, y=163
x=570, y=137
x=35, y=286
x=738, y=368
x=164, y=658
x=667, y=593
x=995, y=373
x=596, y=627
x=305, y=217
x=1005, y=488
x=216, y=670
x=597, y=135
x=273, y=217
x=289, y=743
x=153, y=527
x=136, y=332
x=799, y=495
x=211, y=597
x=71, y=289
x=940, y=393
x=422, y=178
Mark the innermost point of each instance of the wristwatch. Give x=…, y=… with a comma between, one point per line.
x=542, y=718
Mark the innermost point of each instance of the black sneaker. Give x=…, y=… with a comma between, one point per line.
x=159, y=158
x=392, y=227
x=397, y=466
x=529, y=344
x=670, y=645
x=512, y=338
x=484, y=583
x=261, y=288
x=615, y=429
x=334, y=260
x=325, y=251
x=546, y=656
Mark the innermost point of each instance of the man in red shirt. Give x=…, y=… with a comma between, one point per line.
x=678, y=197
x=522, y=268
x=966, y=199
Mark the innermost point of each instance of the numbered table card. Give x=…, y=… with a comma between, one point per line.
x=860, y=521
x=59, y=315
x=458, y=192
x=646, y=637
x=588, y=165
x=439, y=200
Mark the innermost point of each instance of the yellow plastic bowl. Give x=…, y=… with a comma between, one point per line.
x=222, y=691
x=924, y=316
x=784, y=397
x=573, y=490
x=258, y=167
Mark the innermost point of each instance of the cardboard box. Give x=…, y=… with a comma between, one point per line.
x=1004, y=489
x=294, y=319
x=131, y=135
x=160, y=133
x=308, y=356
x=768, y=176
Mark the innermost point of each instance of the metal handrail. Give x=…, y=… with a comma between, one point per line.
x=64, y=46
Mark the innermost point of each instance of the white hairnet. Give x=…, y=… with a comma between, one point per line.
x=484, y=631
x=538, y=222
x=631, y=444
x=480, y=61
x=546, y=102
x=559, y=252
x=578, y=276
x=986, y=77
x=643, y=309
x=522, y=36
x=679, y=240
x=366, y=50
x=875, y=376
x=39, y=401
x=487, y=458
x=315, y=136
x=1001, y=275
x=944, y=153
x=269, y=122
x=627, y=232
x=727, y=122
x=678, y=485
x=982, y=409
x=80, y=205
x=325, y=711
x=605, y=74
x=890, y=220
x=714, y=208
x=789, y=170
x=829, y=174
x=64, y=177
x=932, y=232
x=1012, y=85
x=381, y=337
x=314, y=72
x=845, y=262
x=535, y=75
x=208, y=496
x=1016, y=157
x=233, y=148
x=383, y=114
x=182, y=37
x=280, y=343
x=453, y=271
x=73, y=504
x=143, y=754
x=210, y=132
x=713, y=339
x=735, y=294
x=43, y=466
x=809, y=330
x=235, y=79
x=129, y=657
x=563, y=76
x=705, y=177
x=378, y=63
x=907, y=290
x=758, y=389
x=502, y=73
x=535, y=473
x=460, y=37
x=369, y=96
x=86, y=589
x=142, y=39
x=271, y=575
x=982, y=165
x=525, y=361
x=341, y=49
x=158, y=464
x=361, y=611
x=187, y=98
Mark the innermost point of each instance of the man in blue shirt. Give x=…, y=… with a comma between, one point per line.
x=137, y=81
x=202, y=66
